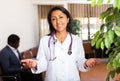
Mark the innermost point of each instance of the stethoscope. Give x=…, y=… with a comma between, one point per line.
x=54, y=41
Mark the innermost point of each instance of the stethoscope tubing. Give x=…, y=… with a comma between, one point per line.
x=70, y=46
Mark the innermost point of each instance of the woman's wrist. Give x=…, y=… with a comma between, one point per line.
x=85, y=65
x=34, y=68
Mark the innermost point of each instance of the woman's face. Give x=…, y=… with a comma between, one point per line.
x=59, y=21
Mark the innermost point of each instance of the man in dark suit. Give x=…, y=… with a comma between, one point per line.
x=10, y=58
x=10, y=62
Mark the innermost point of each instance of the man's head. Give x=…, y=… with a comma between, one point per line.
x=13, y=40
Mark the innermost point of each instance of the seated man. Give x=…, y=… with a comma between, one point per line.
x=10, y=59
x=10, y=62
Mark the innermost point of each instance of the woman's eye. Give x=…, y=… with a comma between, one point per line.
x=61, y=17
x=53, y=19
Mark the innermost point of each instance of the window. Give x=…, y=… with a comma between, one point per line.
x=88, y=16
x=89, y=26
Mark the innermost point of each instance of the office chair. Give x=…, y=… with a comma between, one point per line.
x=4, y=77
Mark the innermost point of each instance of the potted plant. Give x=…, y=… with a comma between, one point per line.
x=108, y=37
x=76, y=26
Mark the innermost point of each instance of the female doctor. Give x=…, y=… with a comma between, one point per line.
x=60, y=53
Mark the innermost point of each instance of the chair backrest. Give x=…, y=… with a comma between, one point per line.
x=0, y=74
x=0, y=70
x=1, y=79
x=14, y=78
x=31, y=53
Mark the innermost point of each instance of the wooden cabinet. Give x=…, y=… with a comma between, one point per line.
x=89, y=50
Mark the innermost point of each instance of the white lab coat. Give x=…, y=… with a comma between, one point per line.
x=65, y=67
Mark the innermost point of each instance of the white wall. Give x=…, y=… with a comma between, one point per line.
x=19, y=17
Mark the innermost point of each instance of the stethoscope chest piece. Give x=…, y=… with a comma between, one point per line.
x=69, y=52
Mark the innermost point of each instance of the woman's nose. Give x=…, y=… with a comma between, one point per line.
x=58, y=20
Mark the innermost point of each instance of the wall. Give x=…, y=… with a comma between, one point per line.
x=19, y=17
x=59, y=2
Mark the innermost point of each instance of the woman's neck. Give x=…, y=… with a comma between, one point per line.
x=61, y=36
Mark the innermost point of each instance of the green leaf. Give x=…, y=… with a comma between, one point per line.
x=119, y=61
x=116, y=4
x=118, y=70
x=107, y=41
x=117, y=28
x=106, y=13
x=103, y=15
x=93, y=3
x=98, y=43
x=117, y=32
x=115, y=64
x=102, y=45
x=100, y=2
x=118, y=21
x=111, y=36
x=108, y=77
x=109, y=1
x=108, y=65
x=118, y=56
x=102, y=27
x=112, y=74
x=109, y=25
x=96, y=36
x=110, y=18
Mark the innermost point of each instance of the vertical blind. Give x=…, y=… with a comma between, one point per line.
x=86, y=10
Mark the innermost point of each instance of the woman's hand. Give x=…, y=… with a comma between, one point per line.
x=28, y=63
x=92, y=62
